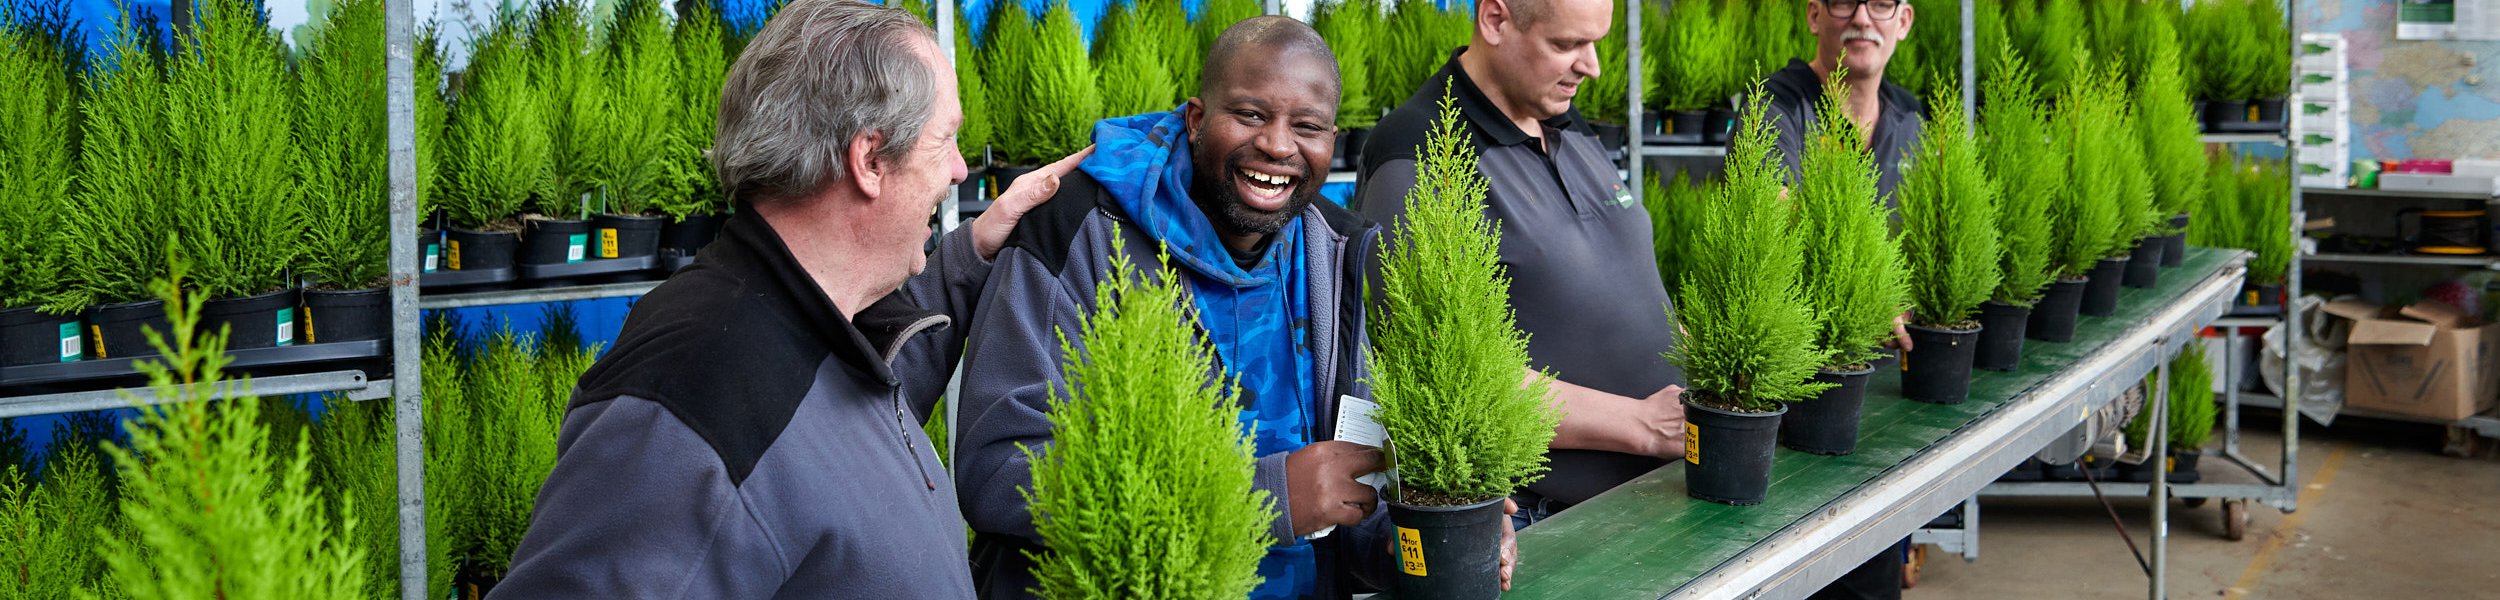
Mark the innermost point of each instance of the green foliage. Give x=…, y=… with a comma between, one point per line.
x=1181, y=53
x=451, y=490
x=1777, y=34
x=2225, y=49
x=2027, y=160
x=49, y=531
x=2106, y=31
x=1931, y=57
x=1447, y=353
x=571, y=83
x=2138, y=216
x=1689, y=74
x=688, y=186
x=1948, y=221
x=1128, y=55
x=2266, y=216
x=2191, y=399
x=1674, y=215
x=1007, y=56
x=433, y=118
x=1214, y=17
x=339, y=109
x=234, y=189
x=116, y=233
x=1146, y=488
x=972, y=92
x=516, y=425
x=502, y=152
x=1352, y=29
x=37, y=118
x=354, y=458
x=638, y=105
x=1062, y=100
x=2166, y=121
x=1855, y=281
x=1748, y=331
x=211, y=514
x=2218, y=219
x=2090, y=217
x=1418, y=40
x=2272, y=55
x=2060, y=47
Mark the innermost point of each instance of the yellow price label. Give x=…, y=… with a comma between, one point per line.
x=1411, y=552
x=607, y=242
x=98, y=330
x=1692, y=443
x=451, y=254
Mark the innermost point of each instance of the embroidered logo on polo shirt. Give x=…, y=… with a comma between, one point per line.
x=1623, y=197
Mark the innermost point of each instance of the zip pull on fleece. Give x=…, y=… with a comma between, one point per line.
x=901, y=422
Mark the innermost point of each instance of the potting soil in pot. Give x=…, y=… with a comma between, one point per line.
x=30, y=337
x=2053, y=317
x=2144, y=264
x=261, y=321
x=1938, y=366
x=346, y=315
x=1727, y=454
x=114, y=330
x=1827, y=424
x=626, y=236
x=2100, y=295
x=2001, y=328
x=1449, y=551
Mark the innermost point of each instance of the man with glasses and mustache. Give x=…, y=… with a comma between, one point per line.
x=1228, y=185
x=1858, y=36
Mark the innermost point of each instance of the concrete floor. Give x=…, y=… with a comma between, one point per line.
x=2382, y=515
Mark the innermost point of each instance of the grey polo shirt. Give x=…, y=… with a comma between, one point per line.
x=1584, y=280
x=1795, y=90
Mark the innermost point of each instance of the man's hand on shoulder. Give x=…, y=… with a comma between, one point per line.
x=989, y=231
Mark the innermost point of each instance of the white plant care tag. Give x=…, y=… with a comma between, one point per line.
x=1355, y=424
x=286, y=327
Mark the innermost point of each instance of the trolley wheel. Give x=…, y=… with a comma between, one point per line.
x=1911, y=566
x=2193, y=502
x=2235, y=519
x=2462, y=442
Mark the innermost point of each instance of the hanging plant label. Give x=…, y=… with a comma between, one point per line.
x=607, y=242
x=69, y=342
x=574, y=246
x=286, y=327
x=1411, y=552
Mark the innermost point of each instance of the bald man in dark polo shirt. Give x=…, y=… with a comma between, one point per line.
x=1576, y=246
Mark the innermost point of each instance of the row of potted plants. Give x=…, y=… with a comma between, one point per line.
x=214, y=149
x=2251, y=203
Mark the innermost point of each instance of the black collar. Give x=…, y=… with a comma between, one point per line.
x=1479, y=109
x=756, y=253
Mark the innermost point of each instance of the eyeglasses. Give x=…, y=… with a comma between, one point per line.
x=1880, y=10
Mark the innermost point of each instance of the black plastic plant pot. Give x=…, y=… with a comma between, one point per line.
x=2258, y=299
x=691, y=234
x=1727, y=454
x=1937, y=367
x=970, y=190
x=261, y=321
x=465, y=250
x=114, y=330
x=1348, y=155
x=1611, y=135
x=2100, y=296
x=30, y=337
x=1449, y=551
x=1718, y=125
x=1827, y=424
x=2053, y=317
x=1003, y=176
x=347, y=315
x=625, y=236
x=2144, y=264
x=2267, y=111
x=2183, y=466
x=2001, y=328
x=554, y=241
x=2223, y=115
x=2174, y=246
x=1685, y=122
x=429, y=250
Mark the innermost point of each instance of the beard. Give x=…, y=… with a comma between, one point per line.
x=1217, y=192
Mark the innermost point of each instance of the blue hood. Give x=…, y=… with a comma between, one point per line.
x=1143, y=161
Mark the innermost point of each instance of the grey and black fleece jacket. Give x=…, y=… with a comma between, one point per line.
x=1043, y=283
x=745, y=440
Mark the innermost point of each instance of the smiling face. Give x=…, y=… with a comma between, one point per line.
x=1541, y=59
x=1259, y=137
x=916, y=186
x=1861, y=42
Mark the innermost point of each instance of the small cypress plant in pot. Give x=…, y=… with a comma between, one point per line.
x=2270, y=82
x=2029, y=167
x=2223, y=47
x=1674, y=215
x=2141, y=219
x=1748, y=331
x=1128, y=56
x=1352, y=29
x=120, y=226
x=1685, y=74
x=1601, y=99
x=234, y=161
x=1145, y=490
x=691, y=195
x=2266, y=213
x=500, y=154
x=37, y=167
x=1056, y=104
x=2173, y=152
x=1445, y=360
x=2090, y=221
x=572, y=84
x=339, y=107
x=1949, y=235
x=1855, y=280
x=639, y=104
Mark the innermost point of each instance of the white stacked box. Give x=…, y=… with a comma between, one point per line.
x=2322, y=111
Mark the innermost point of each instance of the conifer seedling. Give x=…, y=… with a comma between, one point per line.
x=339, y=106
x=234, y=152
x=2027, y=160
x=1948, y=222
x=2090, y=217
x=1064, y=99
x=37, y=162
x=1748, y=330
x=1855, y=280
x=502, y=152
x=1352, y=29
x=116, y=233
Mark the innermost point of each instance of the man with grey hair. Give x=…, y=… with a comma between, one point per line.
x=756, y=431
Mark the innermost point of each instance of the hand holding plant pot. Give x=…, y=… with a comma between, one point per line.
x=1748, y=332
x=1145, y=490
x=1445, y=361
x=2028, y=163
x=1855, y=281
x=1949, y=235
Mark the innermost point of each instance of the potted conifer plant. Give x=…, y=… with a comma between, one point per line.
x=973, y=139
x=571, y=80
x=1855, y=281
x=1445, y=361
x=2191, y=412
x=638, y=102
x=692, y=198
x=2029, y=166
x=2224, y=49
x=37, y=166
x=2265, y=216
x=2166, y=121
x=237, y=204
x=339, y=121
x=1352, y=29
x=120, y=226
x=1686, y=75
x=1128, y=56
x=2140, y=218
x=1674, y=214
x=1054, y=109
x=2059, y=48
x=433, y=124
x=1949, y=235
x=500, y=156
x=1145, y=490
x=1601, y=99
x=2092, y=226
x=1748, y=332
x=2270, y=83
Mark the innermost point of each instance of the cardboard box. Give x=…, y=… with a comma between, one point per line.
x=2427, y=360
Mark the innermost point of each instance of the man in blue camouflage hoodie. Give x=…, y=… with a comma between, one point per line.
x=1228, y=184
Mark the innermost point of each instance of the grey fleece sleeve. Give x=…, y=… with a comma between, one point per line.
x=639, y=507
x=1011, y=363
x=951, y=284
